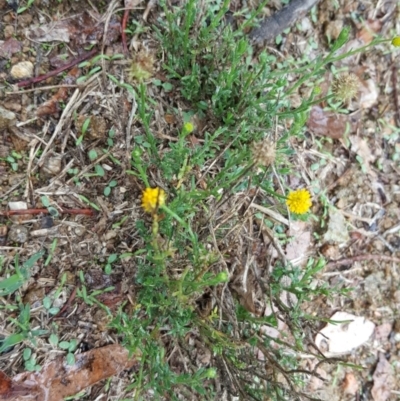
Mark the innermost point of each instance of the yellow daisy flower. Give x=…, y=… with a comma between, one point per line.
x=396, y=41
x=299, y=201
x=152, y=198
x=188, y=127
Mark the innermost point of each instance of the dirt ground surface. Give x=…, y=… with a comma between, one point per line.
x=43, y=130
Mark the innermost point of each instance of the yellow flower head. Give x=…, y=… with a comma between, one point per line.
x=188, y=127
x=152, y=198
x=396, y=41
x=299, y=201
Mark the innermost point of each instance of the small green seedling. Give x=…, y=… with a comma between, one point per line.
x=30, y=361
x=84, y=129
x=107, y=189
x=111, y=259
x=15, y=281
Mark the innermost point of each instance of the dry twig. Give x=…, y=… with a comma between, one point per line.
x=55, y=72
x=360, y=258
x=86, y=212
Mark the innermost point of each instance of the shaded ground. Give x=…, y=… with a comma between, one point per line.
x=57, y=162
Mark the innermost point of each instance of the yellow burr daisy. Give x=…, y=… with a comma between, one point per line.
x=152, y=198
x=396, y=41
x=299, y=201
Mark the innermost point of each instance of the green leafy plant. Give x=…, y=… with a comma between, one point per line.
x=21, y=275
x=85, y=127
x=30, y=360
x=69, y=346
x=112, y=184
x=205, y=289
x=22, y=331
x=244, y=96
x=26, y=7
x=12, y=159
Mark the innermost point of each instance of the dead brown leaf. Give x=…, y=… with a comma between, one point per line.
x=383, y=331
x=384, y=381
x=9, y=47
x=80, y=29
x=324, y=123
x=297, y=248
x=58, y=380
x=52, y=107
x=368, y=94
x=361, y=148
x=350, y=384
x=131, y=4
x=368, y=30
x=9, y=390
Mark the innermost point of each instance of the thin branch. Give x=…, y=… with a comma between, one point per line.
x=86, y=212
x=52, y=73
x=123, y=28
x=360, y=258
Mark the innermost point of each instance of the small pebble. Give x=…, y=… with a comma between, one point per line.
x=7, y=18
x=79, y=231
x=13, y=106
x=34, y=297
x=44, y=232
x=23, y=69
x=7, y=118
x=3, y=235
x=25, y=19
x=25, y=100
x=52, y=165
x=8, y=31
x=110, y=235
x=18, y=233
x=46, y=222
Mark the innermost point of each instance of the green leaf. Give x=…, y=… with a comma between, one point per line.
x=107, y=191
x=99, y=170
x=30, y=366
x=12, y=340
x=53, y=211
x=70, y=359
x=113, y=183
x=45, y=201
x=92, y=154
x=342, y=39
x=64, y=345
x=108, y=269
x=167, y=87
x=54, y=310
x=79, y=141
x=27, y=354
x=85, y=126
x=47, y=302
x=37, y=333
x=94, y=70
x=53, y=339
x=112, y=258
x=9, y=285
x=111, y=133
x=33, y=259
x=72, y=345
x=86, y=200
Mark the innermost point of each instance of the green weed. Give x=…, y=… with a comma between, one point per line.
x=244, y=96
